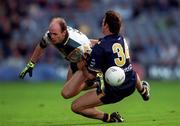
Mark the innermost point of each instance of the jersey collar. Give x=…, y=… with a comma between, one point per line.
x=65, y=39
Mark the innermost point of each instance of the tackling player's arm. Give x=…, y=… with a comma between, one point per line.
x=93, y=69
x=89, y=74
x=34, y=58
x=93, y=42
x=37, y=54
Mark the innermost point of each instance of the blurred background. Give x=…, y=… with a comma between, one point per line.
x=152, y=28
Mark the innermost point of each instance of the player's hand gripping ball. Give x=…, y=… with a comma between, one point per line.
x=115, y=76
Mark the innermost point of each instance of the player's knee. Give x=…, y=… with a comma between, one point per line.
x=66, y=94
x=75, y=108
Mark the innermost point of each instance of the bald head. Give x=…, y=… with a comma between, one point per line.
x=58, y=24
x=57, y=30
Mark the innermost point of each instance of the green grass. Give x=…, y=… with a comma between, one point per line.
x=39, y=104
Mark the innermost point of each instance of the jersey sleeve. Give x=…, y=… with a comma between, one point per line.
x=85, y=48
x=126, y=49
x=45, y=40
x=96, y=59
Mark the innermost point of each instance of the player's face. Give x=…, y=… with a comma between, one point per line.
x=104, y=27
x=56, y=34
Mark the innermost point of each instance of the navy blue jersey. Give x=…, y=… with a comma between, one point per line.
x=111, y=51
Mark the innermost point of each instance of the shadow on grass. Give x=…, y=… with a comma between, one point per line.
x=76, y=124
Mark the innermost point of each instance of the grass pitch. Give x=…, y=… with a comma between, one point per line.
x=40, y=104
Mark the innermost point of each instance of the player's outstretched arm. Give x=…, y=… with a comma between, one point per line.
x=37, y=53
x=30, y=65
x=94, y=42
x=28, y=69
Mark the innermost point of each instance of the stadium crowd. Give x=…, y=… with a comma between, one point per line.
x=151, y=26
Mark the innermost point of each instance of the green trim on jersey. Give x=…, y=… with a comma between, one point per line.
x=68, y=47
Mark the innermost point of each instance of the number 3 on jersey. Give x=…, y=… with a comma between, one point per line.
x=121, y=59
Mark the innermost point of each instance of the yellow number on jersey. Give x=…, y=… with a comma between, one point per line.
x=121, y=59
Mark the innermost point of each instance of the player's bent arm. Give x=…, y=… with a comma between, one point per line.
x=89, y=75
x=93, y=79
x=40, y=47
x=37, y=54
x=93, y=42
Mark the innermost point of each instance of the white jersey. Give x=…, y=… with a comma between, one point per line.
x=74, y=46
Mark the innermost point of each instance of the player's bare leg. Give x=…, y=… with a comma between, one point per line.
x=74, y=85
x=88, y=108
x=69, y=74
x=143, y=88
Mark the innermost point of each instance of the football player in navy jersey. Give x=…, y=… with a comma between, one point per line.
x=112, y=50
x=72, y=45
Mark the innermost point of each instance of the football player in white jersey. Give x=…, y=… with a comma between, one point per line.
x=73, y=45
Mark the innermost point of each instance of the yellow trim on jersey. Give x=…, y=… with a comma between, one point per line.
x=100, y=95
x=100, y=76
x=94, y=70
x=109, y=117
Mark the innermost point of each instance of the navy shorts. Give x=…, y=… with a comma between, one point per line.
x=114, y=94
